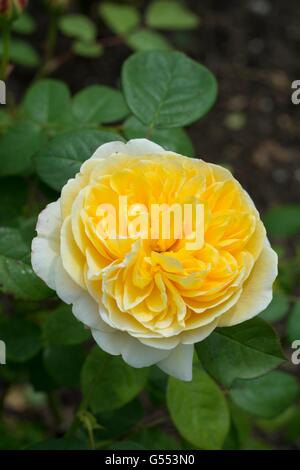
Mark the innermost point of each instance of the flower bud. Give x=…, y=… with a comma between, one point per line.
x=11, y=9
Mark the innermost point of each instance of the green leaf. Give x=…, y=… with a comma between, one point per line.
x=5, y=119
x=277, y=309
x=121, y=19
x=22, y=53
x=170, y=15
x=199, y=410
x=167, y=89
x=22, y=339
x=126, y=445
x=266, y=396
x=118, y=422
x=26, y=226
x=25, y=24
x=78, y=26
x=48, y=102
x=257, y=444
x=90, y=49
x=157, y=386
x=39, y=377
x=279, y=422
x=17, y=147
x=145, y=40
x=64, y=363
x=156, y=439
x=240, y=428
x=283, y=221
x=243, y=351
x=61, y=327
x=99, y=105
x=64, y=155
x=16, y=274
x=13, y=193
x=175, y=140
x=292, y=432
x=108, y=382
x=64, y=443
x=293, y=324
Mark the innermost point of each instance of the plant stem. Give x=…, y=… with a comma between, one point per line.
x=91, y=437
x=5, y=51
x=52, y=36
x=50, y=45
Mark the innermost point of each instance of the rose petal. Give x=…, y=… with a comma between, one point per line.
x=195, y=336
x=142, y=147
x=112, y=343
x=108, y=149
x=45, y=247
x=137, y=354
x=257, y=292
x=179, y=363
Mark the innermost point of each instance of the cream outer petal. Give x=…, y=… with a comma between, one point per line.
x=132, y=147
x=257, y=291
x=45, y=247
x=132, y=350
x=179, y=363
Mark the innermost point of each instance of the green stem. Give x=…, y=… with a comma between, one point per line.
x=52, y=36
x=91, y=437
x=5, y=51
x=50, y=45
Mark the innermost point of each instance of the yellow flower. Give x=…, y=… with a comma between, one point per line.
x=151, y=298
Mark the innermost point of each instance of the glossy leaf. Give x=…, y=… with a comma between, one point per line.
x=266, y=396
x=99, y=105
x=167, y=89
x=108, y=382
x=283, y=221
x=63, y=156
x=64, y=443
x=145, y=40
x=22, y=339
x=16, y=274
x=64, y=363
x=22, y=53
x=170, y=15
x=176, y=140
x=61, y=327
x=89, y=49
x=18, y=146
x=25, y=24
x=277, y=309
x=293, y=324
x=120, y=18
x=48, y=102
x=13, y=193
x=199, y=410
x=78, y=26
x=242, y=351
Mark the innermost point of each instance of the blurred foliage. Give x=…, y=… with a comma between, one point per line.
x=55, y=383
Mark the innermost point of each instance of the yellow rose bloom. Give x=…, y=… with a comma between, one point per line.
x=150, y=299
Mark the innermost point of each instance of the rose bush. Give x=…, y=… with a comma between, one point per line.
x=151, y=300
x=143, y=300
